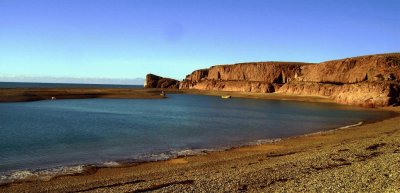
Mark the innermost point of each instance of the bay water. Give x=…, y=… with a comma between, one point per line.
x=42, y=135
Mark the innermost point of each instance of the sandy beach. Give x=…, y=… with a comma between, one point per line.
x=363, y=158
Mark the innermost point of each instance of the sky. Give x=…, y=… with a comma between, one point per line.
x=123, y=39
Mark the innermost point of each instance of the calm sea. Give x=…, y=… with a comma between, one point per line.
x=59, y=133
x=62, y=85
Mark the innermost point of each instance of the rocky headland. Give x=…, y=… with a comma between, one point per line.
x=368, y=81
x=154, y=81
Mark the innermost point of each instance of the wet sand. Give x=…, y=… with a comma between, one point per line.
x=364, y=158
x=35, y=94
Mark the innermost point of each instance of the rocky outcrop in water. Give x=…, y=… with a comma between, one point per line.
x=369, y=81
x=154, y=81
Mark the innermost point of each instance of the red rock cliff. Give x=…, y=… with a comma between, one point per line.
x=352, y=70
x=248, y=77
x=365, y=81
x=366, y=94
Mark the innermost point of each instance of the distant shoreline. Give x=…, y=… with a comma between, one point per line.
x=64, y=85
x=36, y=94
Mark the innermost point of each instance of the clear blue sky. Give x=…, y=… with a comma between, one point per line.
x=130, y=38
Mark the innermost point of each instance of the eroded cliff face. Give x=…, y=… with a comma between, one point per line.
x=369, y=81
x=238, y=86
x=248, y=77
x=271, y=72
x=353, y=70
x=366, y=94
x=154, y=81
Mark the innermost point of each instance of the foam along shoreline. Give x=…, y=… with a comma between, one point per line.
x=173, y=156
x=349, y=126
x=45, y=174
x=49, y=173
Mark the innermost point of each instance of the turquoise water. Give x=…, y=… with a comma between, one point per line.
x=49, y=134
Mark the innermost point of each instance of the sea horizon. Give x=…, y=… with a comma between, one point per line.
x=64, y=85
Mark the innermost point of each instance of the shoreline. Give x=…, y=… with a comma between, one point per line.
x=268, y=147
x=37, y=94
x=282, y=148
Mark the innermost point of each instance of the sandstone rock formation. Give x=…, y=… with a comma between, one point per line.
x=239, y=86
x=367, y=94
x=154, y=81
x=353, y=70
x=369, y=81
x=247, y=77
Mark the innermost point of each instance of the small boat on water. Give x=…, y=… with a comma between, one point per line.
x=163, y=94
x=226, y=96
